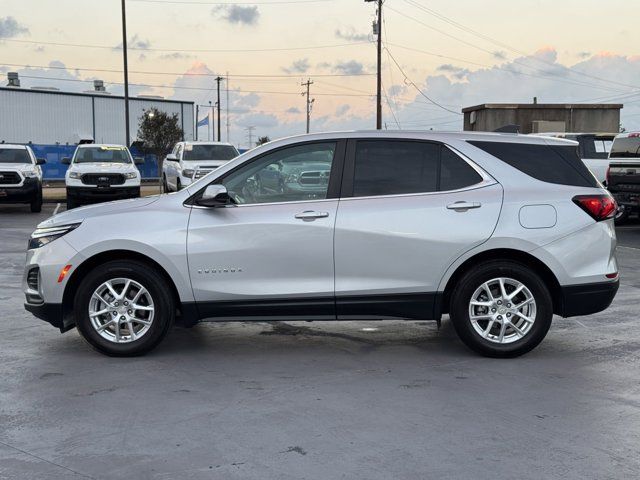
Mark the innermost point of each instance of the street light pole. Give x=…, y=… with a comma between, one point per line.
x=126, y=74
x=218, y=80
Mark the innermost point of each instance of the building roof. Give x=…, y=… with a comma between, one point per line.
x=541, y=106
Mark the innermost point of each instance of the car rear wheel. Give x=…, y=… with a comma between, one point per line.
x=124, y=308
x=501, y=309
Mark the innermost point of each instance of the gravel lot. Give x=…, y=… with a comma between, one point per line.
x=354, y=400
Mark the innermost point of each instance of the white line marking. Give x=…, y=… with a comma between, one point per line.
x=56, y=209
x=580, y=323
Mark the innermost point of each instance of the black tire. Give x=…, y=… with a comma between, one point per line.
x=484, y=272
x=622, y=215
x=178, y=185
x=36, y=204
x=71, y=204
x=151, y=280
x=165, y=186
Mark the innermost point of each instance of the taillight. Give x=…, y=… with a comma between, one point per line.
x=599, y=207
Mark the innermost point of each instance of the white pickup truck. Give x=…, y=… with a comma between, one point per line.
x=20, y=176
x=190, y=161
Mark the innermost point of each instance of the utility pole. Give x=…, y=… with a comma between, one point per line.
x=377, y=29
x=308, y=84
x=209, y=125
x=227, y=107
x=218, y=80
x=250, y=130
x=126, y=74
x=197, y=120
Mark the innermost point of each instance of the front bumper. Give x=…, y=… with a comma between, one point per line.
x=577, y=300
x=52, y=313
x=631, y=201
x=101, y=194
x=29, y=191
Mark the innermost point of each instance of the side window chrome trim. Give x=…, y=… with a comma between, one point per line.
x=484, y=183
x=245, y=205
x=472, y=164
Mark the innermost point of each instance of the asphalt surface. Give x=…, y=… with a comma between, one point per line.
x=354, y=400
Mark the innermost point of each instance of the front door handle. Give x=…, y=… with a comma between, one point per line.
x=463, y=206
x=309, y=215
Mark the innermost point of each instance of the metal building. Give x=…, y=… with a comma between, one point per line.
x=50, y=117
x=544, y=117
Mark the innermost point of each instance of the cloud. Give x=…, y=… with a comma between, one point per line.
x=293, y=110
x=259, y=120
x=349, y=34
x=238, y=14
x=499, y=55
x=342, y=109
x=135, y=42
x=455, y=71
x=9, y=27
x=176, y=56
x=395, y=90
x=298, y=66
x=583, y=55
x=350, y=67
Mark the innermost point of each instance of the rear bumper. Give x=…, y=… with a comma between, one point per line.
x=28, y=192
x=100, y=194
x=587, y=299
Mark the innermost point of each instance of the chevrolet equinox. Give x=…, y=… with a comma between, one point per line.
x=498, y=231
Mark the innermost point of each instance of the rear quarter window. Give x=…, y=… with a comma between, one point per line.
x=558, y=164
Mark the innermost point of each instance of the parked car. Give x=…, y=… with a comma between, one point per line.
x=190, y=161
x=623, y=176
x=593, y=149
x=101, y=172
x=482, y=227
x=20, y=176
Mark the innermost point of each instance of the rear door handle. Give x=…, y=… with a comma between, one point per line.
x=309, y=215
x=463, y=206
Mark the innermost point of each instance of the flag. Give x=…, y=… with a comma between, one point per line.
x=204, y=122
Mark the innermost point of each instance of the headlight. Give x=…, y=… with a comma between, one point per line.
x=188, y=172
x=30, y=173
x=42, y=236
x=130, y=175
x=292, y=178
x=75, y=175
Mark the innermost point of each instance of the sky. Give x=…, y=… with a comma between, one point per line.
x=439, y=56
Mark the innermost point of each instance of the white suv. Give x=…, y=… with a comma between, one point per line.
x=100, y=172
x=190, y=161
x=20, y=176
x=342, y=226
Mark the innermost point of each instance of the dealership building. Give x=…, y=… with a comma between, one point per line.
x=53, y=122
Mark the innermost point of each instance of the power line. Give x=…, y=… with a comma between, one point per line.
x=412, y=83
x=194, y=50
x=186, y=74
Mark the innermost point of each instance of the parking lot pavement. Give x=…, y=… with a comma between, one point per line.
x=356, y=400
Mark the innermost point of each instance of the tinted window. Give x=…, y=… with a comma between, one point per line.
x=102, y=155
x=209, y=152
x=455, y=173
x=14, y=155
x=395, y=167
x=594, y=147
x=626, y=147
x=287, y=175
x=548, y=163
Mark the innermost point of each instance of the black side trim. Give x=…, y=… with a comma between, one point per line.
x=51, y=313
x=415, y=306
x=302, y=308
x=586, y=299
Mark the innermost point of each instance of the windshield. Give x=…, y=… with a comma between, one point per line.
x=209, y=152
x=626, y=147
x=102, y=155
x=14, y=155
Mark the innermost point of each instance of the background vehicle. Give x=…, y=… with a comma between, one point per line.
x=623, y=177
x=593, y=149
x=190, y=161
x=409, y=226
x=99, y=173
x=20, y=176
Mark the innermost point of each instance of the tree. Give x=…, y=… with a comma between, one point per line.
x=159, y=132
x=262, y=141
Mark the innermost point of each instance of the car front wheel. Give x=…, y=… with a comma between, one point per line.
x=501, y=309
x=124, y=308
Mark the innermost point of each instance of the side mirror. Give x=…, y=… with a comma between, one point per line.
x=214, y=196
x=138, y=160
x=172, y=157
x=40, y=161
x=66, y=161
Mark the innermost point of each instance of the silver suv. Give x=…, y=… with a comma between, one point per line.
x=497, y=231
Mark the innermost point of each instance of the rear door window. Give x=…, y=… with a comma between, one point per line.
x=455, y=173
x=558, y=164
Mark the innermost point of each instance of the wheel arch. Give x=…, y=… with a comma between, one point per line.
x=505, y=254
x=86, y=266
